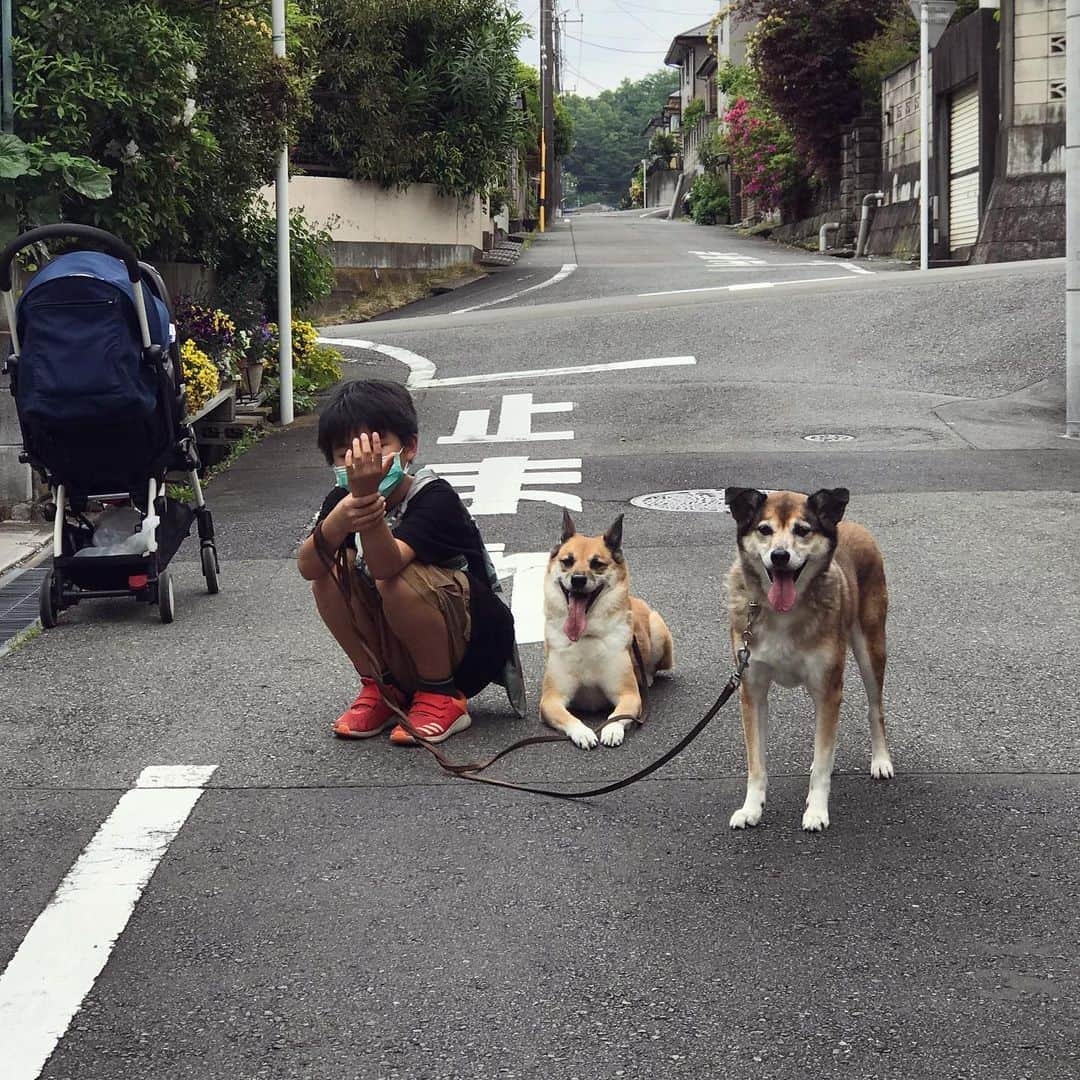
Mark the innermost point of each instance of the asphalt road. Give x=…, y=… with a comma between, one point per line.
x=339, y=910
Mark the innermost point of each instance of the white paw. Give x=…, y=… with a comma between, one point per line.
x=745, y=817
x=612, y=734
x=881, y=767
x=583, y=737
x=816, y=819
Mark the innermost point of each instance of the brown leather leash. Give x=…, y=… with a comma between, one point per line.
x=338, y=566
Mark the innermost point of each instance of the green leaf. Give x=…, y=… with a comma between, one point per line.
x=89, y=178
x=14, y=157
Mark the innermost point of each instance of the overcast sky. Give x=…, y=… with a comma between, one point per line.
x=618, y=38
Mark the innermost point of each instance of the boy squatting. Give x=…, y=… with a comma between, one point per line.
x=419, y=593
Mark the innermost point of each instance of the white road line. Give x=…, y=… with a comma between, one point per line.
x=420, y=367
x=744, y=286
x=562, y=275
x=770, y=266
x=856, y=269
x=70, y=942
x=526, y=569
x=572, y=369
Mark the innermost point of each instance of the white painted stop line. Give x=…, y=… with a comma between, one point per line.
x=69, y=944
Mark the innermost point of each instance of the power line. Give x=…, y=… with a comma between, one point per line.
x=611, y=48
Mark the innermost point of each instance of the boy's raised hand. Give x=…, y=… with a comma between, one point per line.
x=365, y=466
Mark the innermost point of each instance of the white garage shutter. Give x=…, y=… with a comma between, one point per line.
x=964, y=169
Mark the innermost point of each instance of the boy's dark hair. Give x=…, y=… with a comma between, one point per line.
x=366, y=405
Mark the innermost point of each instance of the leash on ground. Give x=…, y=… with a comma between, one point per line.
x=338, y=566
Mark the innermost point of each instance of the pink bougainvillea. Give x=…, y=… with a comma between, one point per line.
x=763, y=155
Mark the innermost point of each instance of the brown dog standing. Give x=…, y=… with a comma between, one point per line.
x=820, y=586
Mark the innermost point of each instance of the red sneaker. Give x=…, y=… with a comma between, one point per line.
x=368, y=715
x=435, y=716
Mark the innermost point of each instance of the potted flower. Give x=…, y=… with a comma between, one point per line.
x=259, y=345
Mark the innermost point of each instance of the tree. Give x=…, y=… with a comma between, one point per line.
x=415, y=91
x=804, y=55
x=180, y=102
x=608, y=140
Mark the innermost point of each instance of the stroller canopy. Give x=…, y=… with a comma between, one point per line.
x=66, y=275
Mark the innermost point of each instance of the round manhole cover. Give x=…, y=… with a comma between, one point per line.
x=828, y=436
x=695, y=501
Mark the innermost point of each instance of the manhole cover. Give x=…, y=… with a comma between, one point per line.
x=695, y=501
x=828, y=436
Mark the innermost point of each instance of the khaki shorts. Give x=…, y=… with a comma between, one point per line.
x=445, y=590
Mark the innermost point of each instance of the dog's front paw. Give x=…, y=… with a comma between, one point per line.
x=881, y=767
x=745, y=817
x=816, y=819
x=583, y=737
x=612, y=734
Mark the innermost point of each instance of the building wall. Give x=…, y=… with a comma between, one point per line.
x=900, y=134
x=1036, y=137
x=411, y=227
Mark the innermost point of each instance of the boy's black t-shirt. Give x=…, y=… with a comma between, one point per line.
x=438, y=528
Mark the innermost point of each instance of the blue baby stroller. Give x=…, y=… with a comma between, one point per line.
x=95, y=371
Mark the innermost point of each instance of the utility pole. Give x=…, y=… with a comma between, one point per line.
x=933, y=17
x=1072, y=226
x=547, y=107
x=7, y=81
x=284, y=264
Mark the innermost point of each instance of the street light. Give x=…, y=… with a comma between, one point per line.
x=933, y=16
x=644, y=183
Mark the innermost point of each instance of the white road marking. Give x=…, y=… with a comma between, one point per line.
x=571, y=369
x=420, y=367
x=562, y=275
x=728, y=259
x=515, y=423
x=527, y=570
x=497, y=485
x=69, y=944
x=744, y=286
x=820, y=265
x=856, y=269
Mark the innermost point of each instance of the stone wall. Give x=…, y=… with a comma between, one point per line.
x=1025, y=219
x=860, y=175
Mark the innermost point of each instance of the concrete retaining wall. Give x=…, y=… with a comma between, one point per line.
x=413, y=229
x=1025, y=219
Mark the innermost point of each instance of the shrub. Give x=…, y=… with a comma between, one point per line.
x=709, y=200
x=248, y=265
x=763, y=154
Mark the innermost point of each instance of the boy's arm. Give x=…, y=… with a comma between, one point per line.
x=384, y=555
x=351, y=515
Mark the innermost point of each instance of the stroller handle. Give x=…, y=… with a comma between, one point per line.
x=112, y=244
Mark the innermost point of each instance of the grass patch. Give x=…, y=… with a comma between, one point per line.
x=393, y=293
x=24, y=637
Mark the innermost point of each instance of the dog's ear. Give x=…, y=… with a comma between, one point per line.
x=568, y=527
x=744, y=504
x=613, y=539
x=829, y=504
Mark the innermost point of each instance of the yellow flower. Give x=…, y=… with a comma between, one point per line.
x=200, y=375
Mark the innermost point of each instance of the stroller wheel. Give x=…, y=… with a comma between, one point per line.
x=210, y=569
x=165, y=597
x=47, y=607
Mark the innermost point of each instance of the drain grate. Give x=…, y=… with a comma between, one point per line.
x=694, y=501
x=828, y=437
x=19, y=602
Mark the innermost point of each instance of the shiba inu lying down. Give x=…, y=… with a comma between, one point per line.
x=590, y=621
x=819, y=584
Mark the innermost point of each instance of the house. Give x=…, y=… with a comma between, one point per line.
x=690, y=53
x=997, y=139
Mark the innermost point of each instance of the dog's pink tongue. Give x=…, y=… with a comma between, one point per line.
x=782, y=592
x=577, y=617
